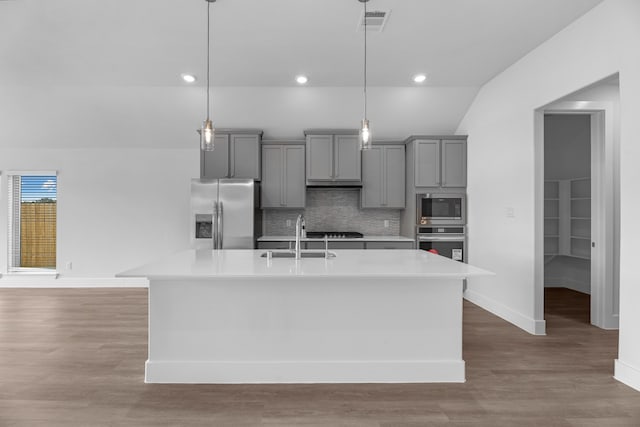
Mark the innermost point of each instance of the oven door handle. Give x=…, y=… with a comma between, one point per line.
x=441, y=239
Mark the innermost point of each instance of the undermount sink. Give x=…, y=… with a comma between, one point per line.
x=303, y=254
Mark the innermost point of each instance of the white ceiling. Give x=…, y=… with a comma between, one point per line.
x=457, y=43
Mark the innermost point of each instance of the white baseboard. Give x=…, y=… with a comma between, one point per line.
x=72, y=282
x=534, y=327
x=627, y=374
x=291, y=372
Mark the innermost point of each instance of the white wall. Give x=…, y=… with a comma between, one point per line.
x=167, y=117
x=117, y=208
x=567, y=146
x=500, y=125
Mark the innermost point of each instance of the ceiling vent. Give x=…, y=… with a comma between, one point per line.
x=376, y=19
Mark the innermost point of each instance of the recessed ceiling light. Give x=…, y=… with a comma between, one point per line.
x=302, y=79
x=419, y=78
x=189, y=78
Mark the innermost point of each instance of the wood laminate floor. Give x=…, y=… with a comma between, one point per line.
x=75, y=357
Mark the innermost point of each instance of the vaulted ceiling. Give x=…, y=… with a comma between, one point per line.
x=267, y=42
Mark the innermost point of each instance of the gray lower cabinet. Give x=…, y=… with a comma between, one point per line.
x=281, y=244
x=283, y=177
x=389, y=245
x=336, y=245
x=440, y=163
x=333, y=244
x=333, y=158
x=383, y=177
x=235, y=155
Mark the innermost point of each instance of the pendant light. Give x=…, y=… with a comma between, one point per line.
x=207, y=132
x=365, y=131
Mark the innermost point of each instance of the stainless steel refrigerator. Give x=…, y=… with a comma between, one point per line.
x=223, y=213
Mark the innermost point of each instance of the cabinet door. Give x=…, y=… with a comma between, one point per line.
x=215, y=164
x=394, y=177
x=293, y=180
x=319, y=157
x=275, y=245
x=427, y=167
x=272, y=176
x=454, y=163
x=347, y=159
x=389, y=245
x=335, y=244
x=372, y=178
x=244, y=156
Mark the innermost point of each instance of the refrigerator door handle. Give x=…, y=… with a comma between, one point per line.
x=214, y=225
x=220, y=224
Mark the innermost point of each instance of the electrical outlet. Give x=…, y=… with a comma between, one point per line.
x=386, y=223
x=288, y=223
x=69, y=265
x=509, y=212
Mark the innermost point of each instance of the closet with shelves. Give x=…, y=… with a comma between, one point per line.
x=567, y=218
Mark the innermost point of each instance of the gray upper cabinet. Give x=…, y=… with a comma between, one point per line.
x=283, y=178
x=332, y=158
x=427, y=163
x=236, y=154
x=440, y=163
x=347, y=160
x=320, y=157
x=383, y=177
x=215, y=164
x=454, y=163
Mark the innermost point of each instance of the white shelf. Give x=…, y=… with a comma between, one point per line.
x=567, y=211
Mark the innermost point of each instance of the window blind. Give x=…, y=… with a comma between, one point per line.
x=32, y=221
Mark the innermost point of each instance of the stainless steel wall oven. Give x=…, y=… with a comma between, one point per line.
x=449, y=241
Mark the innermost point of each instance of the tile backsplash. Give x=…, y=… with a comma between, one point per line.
x=333, y=209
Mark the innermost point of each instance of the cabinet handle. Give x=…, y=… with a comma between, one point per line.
x=440, y=170
x=283, y=187
x=383, y=153
x=336, y=161
x=232, y=159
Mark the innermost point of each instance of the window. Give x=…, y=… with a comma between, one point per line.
x=32, y=221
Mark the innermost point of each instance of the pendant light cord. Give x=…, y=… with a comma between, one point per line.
x=365, y=58
x=208, y=42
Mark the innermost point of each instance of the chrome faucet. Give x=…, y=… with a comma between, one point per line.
x=300, y=232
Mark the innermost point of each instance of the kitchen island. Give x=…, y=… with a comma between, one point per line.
x=232, y=316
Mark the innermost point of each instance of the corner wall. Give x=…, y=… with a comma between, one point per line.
x=500, y=125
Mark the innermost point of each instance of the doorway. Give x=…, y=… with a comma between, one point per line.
x=587, y=226
x=567, y=214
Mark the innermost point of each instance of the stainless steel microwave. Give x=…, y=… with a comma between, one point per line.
x=441, y=209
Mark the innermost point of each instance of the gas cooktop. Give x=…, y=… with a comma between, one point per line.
x=334, y=234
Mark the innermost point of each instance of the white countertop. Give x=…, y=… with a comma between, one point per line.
x=207, y=263
x=366, y=238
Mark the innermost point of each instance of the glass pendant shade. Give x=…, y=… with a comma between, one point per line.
x=207, y=132
x=207, y=135
x=365, y=131
x=365, y=135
